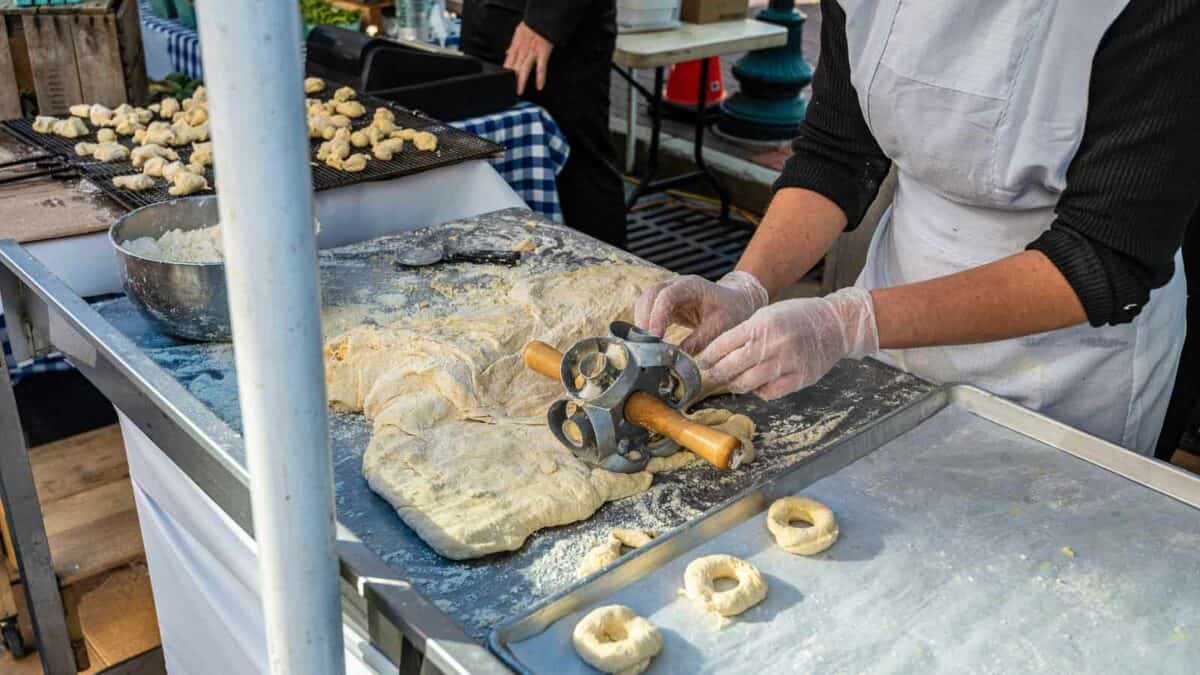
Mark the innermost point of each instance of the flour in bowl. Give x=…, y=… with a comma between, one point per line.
x=194, y=246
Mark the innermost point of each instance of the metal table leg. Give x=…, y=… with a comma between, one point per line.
x=26, y=528
x=650, y=183
x=698, y=148
x=631, y=113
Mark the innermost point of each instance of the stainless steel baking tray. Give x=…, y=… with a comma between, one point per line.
x=976, y=536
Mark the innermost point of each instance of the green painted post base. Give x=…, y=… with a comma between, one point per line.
x=768, y=105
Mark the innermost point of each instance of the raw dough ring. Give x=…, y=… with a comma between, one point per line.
x=614, y=639
x=702, y=572
x=802, y=540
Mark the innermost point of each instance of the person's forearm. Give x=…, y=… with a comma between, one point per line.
x=799, y=227
x=1019, y=295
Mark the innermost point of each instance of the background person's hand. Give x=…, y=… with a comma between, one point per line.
x=792, y=344
x=708, y=308
x=528, y=52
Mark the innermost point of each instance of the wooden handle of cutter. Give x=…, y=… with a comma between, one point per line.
x=542, y=358
x=717, y=447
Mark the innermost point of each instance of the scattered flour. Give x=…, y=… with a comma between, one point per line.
x=809, y=435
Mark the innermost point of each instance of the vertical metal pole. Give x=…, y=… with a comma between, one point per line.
x=631, y=112
x=251, y=52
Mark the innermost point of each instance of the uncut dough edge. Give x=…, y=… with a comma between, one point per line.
x=459, y=446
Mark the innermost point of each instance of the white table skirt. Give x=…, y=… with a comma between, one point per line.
x=203, y=567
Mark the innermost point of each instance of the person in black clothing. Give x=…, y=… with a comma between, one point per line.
x=1185, y=401
x=1047, y=159
x=561, y=50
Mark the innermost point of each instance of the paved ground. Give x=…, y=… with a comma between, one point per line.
x=769, y=155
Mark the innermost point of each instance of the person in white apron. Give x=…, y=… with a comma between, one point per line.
x=1047, y=157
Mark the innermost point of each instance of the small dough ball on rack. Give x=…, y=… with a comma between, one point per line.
x=106, y=135
x=72, y=127
x=614, y=639
x=110, y=152
x=44, y=123
x=383, y=115
x=313, y=85
x=425, y=141
x=196, y=116
x=174, y=168
x=343, y=94
x=85, y=149
x=186, y=183
x=140, y=155
x=351, y=109
x=154, y=167
x=127, y=127
x=341, y=121
x=156, y=137
x=202, y=153
x=337, y=147
x=354, y=163
x=387, y=148
x=80, y=109
x=135, y=182
x=406, y=134
x=384, y=126
x=821, y=534
x=168, y=107
x=699, y=583
x=144, y=115
x=359, y=139
x=100, y=115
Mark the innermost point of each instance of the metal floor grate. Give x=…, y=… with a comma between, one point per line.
x=684, y=239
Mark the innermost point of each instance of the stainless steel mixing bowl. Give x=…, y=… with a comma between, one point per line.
x=188, y=300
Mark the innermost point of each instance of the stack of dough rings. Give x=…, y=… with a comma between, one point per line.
x=614, y=639
x=701, y=573
x=802, y=540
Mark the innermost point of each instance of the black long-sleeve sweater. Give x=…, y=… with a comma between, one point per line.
x=556, y=20
x=1131, y=188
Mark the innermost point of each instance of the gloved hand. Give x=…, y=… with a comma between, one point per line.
x=708, y=308
x=792, y=344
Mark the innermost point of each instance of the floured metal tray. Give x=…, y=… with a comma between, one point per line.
x=976, y=536
x=454, y=146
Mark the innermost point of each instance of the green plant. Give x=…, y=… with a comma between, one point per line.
x=178, y=85
x=321, y=12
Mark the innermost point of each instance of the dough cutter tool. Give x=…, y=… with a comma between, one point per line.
x=433, y=254
x=625, y=395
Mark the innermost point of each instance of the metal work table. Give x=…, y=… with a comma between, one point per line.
x=183, y=397
x=975, y=536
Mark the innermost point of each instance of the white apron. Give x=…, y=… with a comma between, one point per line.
x=981, y=106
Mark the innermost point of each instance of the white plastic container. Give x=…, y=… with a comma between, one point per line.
x=637, y=16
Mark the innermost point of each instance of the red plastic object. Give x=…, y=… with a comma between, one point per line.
x=684, y=79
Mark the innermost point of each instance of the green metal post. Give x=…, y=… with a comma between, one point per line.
x=768, y=105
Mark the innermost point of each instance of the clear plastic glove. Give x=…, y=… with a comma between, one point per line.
x=708, y=308
x=792, y=344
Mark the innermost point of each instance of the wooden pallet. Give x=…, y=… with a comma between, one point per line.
x=91, y=525
x=117, y=618
x=67, y=54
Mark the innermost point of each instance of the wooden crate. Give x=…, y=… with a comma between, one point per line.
x=67, y=54
x=709, y=11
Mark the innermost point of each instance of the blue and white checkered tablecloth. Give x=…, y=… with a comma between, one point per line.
x=535, y=151
x=47, y=364
x=182, y=43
